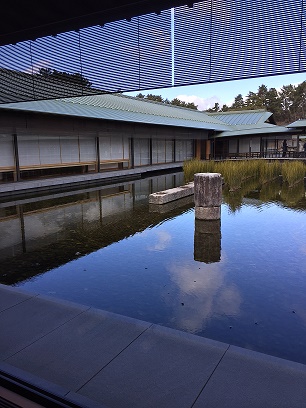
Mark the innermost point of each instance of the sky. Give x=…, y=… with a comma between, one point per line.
x=205, y=96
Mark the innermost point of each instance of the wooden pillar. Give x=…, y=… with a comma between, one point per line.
x=150, y=152
x=174, y=150
x=98, y=154
x=22, y=228
x=16, y=159
x=198, y=149
x=132, y=161
x=208, y=149
x=214, y=148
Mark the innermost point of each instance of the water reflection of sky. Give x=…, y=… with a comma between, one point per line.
x=253, y=296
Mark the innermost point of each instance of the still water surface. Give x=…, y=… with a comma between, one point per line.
x=241, y=280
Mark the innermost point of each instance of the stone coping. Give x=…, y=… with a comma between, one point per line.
x=108, y=360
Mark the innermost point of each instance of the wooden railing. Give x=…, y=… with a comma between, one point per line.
x=267, y=154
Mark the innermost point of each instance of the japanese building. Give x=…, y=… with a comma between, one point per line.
x=107, y=132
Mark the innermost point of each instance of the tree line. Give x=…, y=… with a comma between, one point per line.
x=287, y=105
x=175, y=101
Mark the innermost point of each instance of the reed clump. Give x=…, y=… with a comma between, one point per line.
x=234, y=198
x=235, y=173
x=291, y=196
x=269, y=171
x=191, y=167
x=270, y=191
x=231, y=173
x=293, y=172
x=251, y=168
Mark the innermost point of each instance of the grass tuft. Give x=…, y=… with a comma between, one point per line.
x=293, y=172
x=236, y=172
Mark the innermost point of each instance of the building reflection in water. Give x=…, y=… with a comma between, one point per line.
x=41, y=233
x=107, y=248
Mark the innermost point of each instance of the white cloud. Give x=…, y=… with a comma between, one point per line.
x=202, y=103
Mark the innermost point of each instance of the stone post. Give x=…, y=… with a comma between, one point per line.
x=207, y=196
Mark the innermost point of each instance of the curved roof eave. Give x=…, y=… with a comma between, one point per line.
x=243, y=117
x=272, y=129
x=301, y=123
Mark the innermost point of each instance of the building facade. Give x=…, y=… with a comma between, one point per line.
x=113, y=132
x=95, y=134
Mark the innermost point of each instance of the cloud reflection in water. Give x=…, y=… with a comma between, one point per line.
x=205, y=295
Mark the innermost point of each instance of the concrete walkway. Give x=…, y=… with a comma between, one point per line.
x=70, y=181
x=99, y=359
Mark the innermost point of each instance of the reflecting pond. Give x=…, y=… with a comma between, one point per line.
x=241, y=280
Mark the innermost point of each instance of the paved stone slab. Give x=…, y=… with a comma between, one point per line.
x=72, y=354
x=10, y=297
x=32, y=319
x=249, y=379
x=46, y=387
x=120, y=362
x=38, y=382
x=163, y=368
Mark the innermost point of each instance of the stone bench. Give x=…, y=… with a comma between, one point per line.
x=165, y=196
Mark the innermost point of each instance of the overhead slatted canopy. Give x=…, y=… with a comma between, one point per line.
x=222, y=40
x=208, y=41
x=28, y=20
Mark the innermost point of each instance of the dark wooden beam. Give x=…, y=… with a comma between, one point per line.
x=21, y=21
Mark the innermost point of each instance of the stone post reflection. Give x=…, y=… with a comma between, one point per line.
x=207, y=241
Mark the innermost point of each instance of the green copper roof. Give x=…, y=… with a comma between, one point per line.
x=244, y=117
x=122, y=108
x=118, y=107
x=247, y=123
x=301, y=123
x=248, y=130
